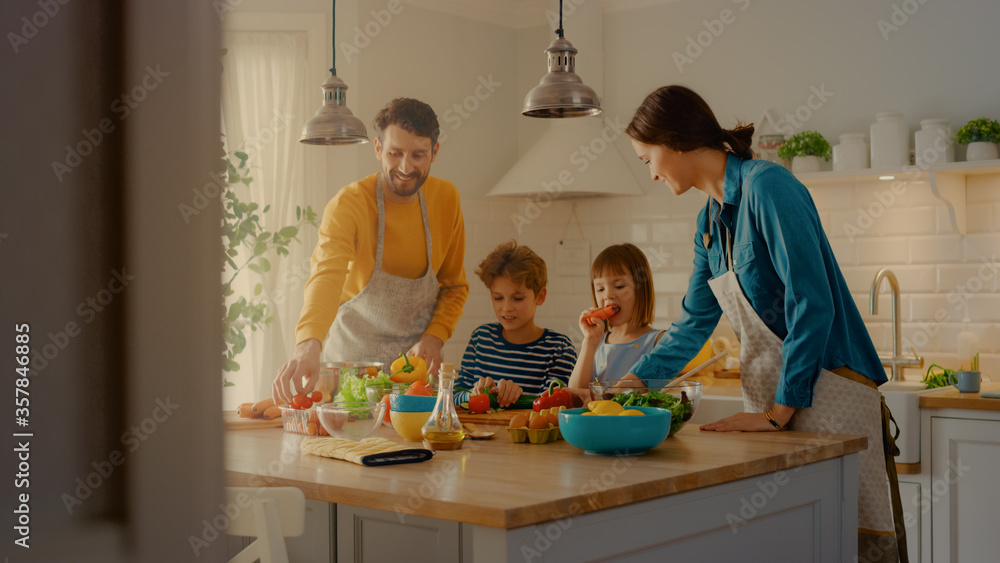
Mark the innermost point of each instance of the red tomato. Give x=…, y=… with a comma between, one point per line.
x=316, y=396
x=302, y=402
x=479, y=404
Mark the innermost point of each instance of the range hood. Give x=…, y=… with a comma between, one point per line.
x=575, y=157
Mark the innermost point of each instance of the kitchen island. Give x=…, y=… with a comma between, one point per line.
x=714, y=496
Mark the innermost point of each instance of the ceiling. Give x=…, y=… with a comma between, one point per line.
x=521, y=14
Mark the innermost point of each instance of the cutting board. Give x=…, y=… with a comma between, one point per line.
x=234, y=422
x=494, y=418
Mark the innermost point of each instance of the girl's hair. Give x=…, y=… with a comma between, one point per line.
x=518, y=263
x=624, y=259
x=678, y=118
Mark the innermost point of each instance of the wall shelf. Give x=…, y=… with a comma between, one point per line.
x=947, y=182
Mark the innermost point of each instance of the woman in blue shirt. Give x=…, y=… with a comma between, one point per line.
x=761, y=257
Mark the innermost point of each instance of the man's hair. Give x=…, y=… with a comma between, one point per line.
x=515, y=262
x=412, y=115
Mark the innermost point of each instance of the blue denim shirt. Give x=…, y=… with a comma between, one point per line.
x=787, y=271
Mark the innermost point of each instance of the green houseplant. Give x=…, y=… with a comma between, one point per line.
x=247, y=245
x=804, y=150
x=981, y=135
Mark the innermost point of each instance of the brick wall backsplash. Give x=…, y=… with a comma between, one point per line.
x=943, y=276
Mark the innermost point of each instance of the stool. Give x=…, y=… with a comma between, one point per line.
x=269, y=514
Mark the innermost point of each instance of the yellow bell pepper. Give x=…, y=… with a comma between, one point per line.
x=407, y=369
x=605, y=408
x=631, y=412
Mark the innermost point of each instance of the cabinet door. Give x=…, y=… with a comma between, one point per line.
x=375, y=536
x=963, y=493
x=909, y=493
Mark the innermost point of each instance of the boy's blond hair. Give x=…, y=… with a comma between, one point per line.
x=515, y=262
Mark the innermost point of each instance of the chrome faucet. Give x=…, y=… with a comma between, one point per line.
x=897, y=362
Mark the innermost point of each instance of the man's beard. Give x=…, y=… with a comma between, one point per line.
x=394, y=187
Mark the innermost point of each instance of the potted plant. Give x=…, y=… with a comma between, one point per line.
x=805, y=149
x=982, y=136
x=247, y=245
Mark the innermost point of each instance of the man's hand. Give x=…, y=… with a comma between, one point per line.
x=429, y=348
x=304, y=364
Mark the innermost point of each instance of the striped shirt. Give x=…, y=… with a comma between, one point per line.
x=532, y=366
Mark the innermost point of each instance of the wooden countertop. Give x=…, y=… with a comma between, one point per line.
x=500, y=484
x=950, y=398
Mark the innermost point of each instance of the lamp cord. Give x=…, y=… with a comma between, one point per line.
x=559, y=31
x=333, y=38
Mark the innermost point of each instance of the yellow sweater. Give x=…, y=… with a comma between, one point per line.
x=344, y=258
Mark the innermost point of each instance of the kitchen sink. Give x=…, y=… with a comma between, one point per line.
x=902, y=398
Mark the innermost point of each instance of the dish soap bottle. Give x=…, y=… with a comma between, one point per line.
x=443, y=430
x=967, y=348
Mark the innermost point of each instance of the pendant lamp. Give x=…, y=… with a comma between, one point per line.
x=333, y=123
x=561, y=93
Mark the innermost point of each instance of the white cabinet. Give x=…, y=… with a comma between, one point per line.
x=964, y=491
x=910, y=494
x=377, y=536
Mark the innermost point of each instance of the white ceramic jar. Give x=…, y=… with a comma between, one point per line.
x=890, y=138
x=852, y=152
x=934, y=143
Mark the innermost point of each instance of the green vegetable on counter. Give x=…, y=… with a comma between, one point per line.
x=680, y=409
x=352, y=389
x=934, y=379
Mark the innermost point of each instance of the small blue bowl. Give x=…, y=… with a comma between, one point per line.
x=411, y=403
x=615, y=435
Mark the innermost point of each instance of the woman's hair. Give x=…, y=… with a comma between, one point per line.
x=624, y=259
x=412, y=115
x=515, y=262
x=678, y=118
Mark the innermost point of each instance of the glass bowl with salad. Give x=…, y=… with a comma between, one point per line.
x=680, y=398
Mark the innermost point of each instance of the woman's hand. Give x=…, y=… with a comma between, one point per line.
x=741, y=422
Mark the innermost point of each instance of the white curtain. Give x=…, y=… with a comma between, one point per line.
x=265, y=102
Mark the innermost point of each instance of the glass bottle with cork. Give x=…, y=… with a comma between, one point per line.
x=443, y=429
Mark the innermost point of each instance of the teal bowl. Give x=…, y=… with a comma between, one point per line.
x=411, y=403
x=615, y=435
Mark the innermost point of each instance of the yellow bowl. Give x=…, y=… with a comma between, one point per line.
x=409, y=424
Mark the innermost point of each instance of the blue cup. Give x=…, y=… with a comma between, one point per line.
x=966, y=381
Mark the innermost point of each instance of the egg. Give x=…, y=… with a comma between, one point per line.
x=540, y=422
x=519, y=420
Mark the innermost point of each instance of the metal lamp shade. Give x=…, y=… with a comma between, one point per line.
x=561, y=93
x=333, y=123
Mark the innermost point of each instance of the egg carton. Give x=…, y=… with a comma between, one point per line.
x=534, y=435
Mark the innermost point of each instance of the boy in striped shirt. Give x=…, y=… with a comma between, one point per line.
x=514, y=355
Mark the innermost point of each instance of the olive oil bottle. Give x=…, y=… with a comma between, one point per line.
x=443, y=430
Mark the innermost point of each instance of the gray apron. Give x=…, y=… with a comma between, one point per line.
x=391, y=313
x=839, y=406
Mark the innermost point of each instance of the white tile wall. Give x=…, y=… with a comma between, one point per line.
x=944, y=277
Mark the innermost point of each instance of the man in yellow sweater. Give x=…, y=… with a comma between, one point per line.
x=387, y=271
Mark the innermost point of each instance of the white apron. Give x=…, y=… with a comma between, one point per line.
x=391, y=313
x=839, y=406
